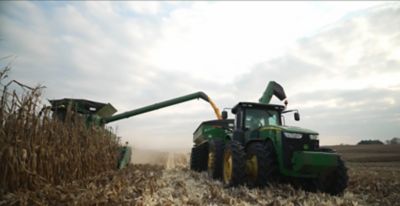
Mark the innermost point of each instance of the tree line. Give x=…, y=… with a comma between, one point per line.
x=394, y=140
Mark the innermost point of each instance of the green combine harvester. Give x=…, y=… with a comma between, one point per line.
x=98, y=114
x=257, y=148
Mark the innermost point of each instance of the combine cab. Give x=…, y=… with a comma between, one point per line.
x=257, y=148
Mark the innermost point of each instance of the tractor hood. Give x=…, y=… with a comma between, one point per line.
x=297, y=130
x=291, y=129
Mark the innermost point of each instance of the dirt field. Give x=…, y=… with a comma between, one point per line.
x=369, y=153
x=168, y=181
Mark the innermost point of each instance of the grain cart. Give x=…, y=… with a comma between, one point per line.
x=98, y=114
x=257, y=148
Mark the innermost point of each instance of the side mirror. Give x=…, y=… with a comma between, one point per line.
x=296, y=116
x=224, y=115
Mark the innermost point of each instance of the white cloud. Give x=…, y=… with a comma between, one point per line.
x=222, y=40
x=144, y=7
x=136, y=53
x=342, y=78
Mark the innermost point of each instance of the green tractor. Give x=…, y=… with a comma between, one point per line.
x=257, y=148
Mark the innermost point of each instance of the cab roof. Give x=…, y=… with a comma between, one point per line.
x=257, y=106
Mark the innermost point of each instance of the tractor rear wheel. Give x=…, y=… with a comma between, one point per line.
x=198, y=158
x=261, y=164
x=233, y=164
x=335, y=182
x=215, y=158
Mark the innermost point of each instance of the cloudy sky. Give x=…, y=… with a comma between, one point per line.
x=338, y=61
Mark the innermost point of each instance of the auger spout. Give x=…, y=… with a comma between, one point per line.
x=163, y=104
x=273, y=88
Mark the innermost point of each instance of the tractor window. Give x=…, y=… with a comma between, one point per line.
x=272, y=119
x=256, y=118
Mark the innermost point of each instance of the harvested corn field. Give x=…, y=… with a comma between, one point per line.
x=126, y=186
x=371, y=183
x=144, y=184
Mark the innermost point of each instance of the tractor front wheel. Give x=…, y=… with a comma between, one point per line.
x=261, y=164
x=233, y=164
x=335, y=182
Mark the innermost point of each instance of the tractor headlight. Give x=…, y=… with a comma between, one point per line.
x=293, y=135
x=313, y=136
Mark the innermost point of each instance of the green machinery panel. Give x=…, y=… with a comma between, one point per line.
x=212, y=130
x=314, y=162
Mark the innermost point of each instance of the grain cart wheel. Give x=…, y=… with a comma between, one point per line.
x=261, y=165
x=199, y=157
x=194, y=159
x=215, y=158
x=203, y=157
x=335, y=182
x=233, y=164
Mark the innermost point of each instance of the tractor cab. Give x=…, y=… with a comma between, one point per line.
x=255, y=118
x=263, y=122
x=251, y=116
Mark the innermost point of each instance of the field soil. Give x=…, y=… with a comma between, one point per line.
x=369, y=153
x=163, y=178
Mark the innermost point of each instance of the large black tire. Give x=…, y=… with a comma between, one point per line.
x=194, y=165
x=335, y=182
x=215, y=158
x=199, y=157
x=234, y=164
x=307, y=184
x=261, y=165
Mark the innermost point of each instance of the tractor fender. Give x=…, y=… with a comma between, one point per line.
x=264, y=141
x=238, y=135
x=254, y=140
x=203, y=144
x=326, y=149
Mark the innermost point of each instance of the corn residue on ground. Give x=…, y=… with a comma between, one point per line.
x=175, y=184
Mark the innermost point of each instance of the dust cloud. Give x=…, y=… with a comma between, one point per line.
x=160, y=157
